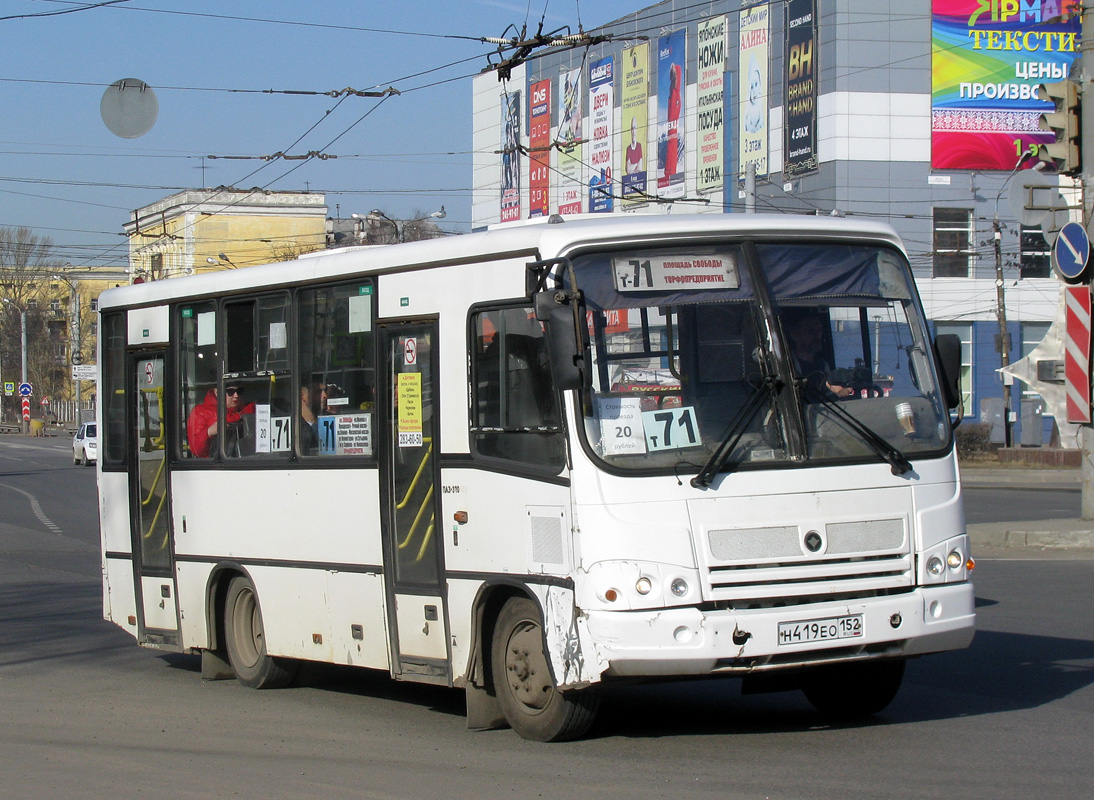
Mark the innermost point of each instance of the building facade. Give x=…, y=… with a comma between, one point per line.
x=921, y=113
x=198, y=230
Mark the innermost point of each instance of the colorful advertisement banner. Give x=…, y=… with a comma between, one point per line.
x=635, y=120
x=570, y=184
x=601, y=119
x=752, y=71
x=988, y=57
x=510, y=156
x=671, y=58
x=539, y=146
x=709, y=102
x=800, y=82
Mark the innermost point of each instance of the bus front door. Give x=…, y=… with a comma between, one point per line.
x=150, y=513
x=413, y=557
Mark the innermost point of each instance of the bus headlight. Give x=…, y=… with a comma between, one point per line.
x=644, y=585
x=935, y=565
x=955, y=559
x=679, y=587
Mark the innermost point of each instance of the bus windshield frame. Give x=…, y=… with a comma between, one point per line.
x=756, y=354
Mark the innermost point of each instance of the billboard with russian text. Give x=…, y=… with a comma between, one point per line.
x=988, y=57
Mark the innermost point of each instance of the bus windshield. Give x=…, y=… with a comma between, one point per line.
x=757, y=354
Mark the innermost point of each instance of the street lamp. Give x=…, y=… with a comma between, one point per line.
x=1000, y=297
x=75, y=340
x=378, y=222
x=23, y=343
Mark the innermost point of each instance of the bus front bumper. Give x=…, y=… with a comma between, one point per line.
x=688, y=641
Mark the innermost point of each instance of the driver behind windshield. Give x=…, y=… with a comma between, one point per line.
x=805, y=330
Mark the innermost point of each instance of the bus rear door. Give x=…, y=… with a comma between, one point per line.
x=153, y=561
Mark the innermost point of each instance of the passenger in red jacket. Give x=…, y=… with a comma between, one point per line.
x=201, y=428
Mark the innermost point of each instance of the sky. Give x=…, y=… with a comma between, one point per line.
x=211, y=66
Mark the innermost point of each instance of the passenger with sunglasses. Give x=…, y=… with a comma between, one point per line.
x=202, y=427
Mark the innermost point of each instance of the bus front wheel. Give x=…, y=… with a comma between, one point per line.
x=532, y=704
x=854, y=691
x=245, y=639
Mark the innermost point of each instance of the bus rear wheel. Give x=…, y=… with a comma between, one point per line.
x=854, y=691
x=245, y=639
x=533, y=706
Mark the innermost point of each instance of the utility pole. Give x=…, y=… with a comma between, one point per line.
x=1001, y=315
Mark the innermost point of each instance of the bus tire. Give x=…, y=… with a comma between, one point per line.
x=532, y=704
x=854, y=691
x=245, y=639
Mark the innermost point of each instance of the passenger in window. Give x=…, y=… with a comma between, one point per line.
x=805, y=329
x=202, y=428
x=313, y=401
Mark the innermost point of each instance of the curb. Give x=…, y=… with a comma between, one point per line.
x=996, y=535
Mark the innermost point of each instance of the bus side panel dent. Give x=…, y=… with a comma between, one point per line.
x=574, y=659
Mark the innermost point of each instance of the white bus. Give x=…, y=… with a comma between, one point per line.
x=531, y=461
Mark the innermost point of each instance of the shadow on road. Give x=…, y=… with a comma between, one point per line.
x=49, y=623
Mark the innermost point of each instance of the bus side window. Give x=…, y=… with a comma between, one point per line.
x=197, y=365
x=255, y=413
x=515, y=414
x=335, y=401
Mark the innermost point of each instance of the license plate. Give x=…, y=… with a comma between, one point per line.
x=821, y=630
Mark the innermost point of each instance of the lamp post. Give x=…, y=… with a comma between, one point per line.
x=75, y=340
x=23, y=345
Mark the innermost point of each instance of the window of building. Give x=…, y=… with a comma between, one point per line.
x=1035, y=256
x=55, y=306
x=953, y=242
x=95, y=304
x=32, y=303
x=337, y=369
x=1033, y=333
x=515, y=413
x=963, y=331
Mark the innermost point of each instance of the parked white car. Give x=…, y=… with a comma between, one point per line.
x=85, y=445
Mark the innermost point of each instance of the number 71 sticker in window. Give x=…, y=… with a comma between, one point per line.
x=671, y=429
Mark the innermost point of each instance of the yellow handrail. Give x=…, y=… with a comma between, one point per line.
x=418, y=518
x=414, y=483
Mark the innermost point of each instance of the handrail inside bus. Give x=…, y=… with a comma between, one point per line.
x=421, y=468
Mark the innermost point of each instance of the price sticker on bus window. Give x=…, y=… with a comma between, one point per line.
x=671, y=429
x=675, y=273
x=621, y=430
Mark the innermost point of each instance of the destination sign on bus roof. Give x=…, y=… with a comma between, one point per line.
x=677, y=272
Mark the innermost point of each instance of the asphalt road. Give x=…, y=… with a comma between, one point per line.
x=87, y=713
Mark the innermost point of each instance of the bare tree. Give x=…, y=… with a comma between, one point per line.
x=25, y=268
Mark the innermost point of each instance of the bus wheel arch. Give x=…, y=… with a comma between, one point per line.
x=524, y=683
x=237, y=636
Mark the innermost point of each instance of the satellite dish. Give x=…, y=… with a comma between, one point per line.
x=129, y=108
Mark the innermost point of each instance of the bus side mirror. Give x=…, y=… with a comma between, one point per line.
x=563, y=347
x=947, y=350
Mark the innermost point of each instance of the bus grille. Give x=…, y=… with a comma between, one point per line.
x=774, y=565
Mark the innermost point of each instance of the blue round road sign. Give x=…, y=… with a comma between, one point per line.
x=25, y=390
x=1071, y=251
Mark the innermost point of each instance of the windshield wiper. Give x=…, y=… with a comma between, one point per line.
x=736, y=430
x=897, y=461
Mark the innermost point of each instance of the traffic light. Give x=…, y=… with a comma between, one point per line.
x=1063, y=122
